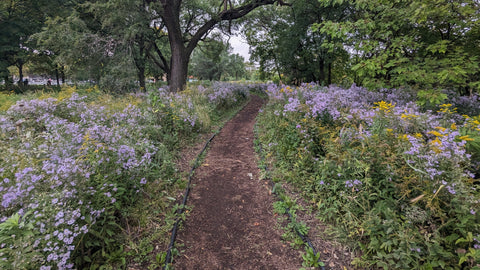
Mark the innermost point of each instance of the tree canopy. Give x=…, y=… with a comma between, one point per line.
x=214, y=61
x=429, y=45
x=109, y=40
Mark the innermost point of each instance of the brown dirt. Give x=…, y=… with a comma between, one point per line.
x=232, y=225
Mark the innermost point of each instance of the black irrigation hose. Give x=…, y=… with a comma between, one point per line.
x=180, y=211
x=304, y=238
x=182, y=208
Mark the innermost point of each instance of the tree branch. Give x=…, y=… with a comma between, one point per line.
x=165, y=67
x=228, y=15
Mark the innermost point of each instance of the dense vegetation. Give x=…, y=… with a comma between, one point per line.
x=397, y=181
x=430, y=45
x=82, y=168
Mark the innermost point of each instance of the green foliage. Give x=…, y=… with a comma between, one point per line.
x=288, y=51
x=18, y=20
x=430, y=98
x=16, y=237
x=423, y=43
x=310, y=259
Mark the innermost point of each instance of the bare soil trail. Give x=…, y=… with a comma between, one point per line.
x=232, y=224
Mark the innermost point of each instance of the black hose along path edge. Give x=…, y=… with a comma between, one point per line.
x=168, y=258
x=304, y=238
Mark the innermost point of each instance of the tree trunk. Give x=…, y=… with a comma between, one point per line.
x=140, y=65
x=57, y=76
x=141, y=77
x=63, y=74
x=179, y=59
x=7, y=80
x=322, y=72
x=329, y=74
x=139, y=55
x=178, y=67
x=20, y=73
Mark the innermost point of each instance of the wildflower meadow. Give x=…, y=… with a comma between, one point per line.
x=395, y=174
x=79, y=167
x=90, y=180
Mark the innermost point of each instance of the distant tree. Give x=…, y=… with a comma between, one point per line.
x=283, y=43
x=213, y=60
x=18, y=20
x=234, y=66
x=207, y=62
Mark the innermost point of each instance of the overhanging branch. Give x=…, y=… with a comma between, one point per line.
x=228, y=15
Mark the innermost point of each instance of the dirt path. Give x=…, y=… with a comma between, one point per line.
x=232, y=225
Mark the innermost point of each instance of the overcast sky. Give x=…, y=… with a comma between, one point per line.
x=240, y=46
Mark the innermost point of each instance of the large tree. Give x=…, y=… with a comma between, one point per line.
x=155, y=36
x=188, y=22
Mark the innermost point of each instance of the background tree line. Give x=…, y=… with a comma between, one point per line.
x=428, y=44
x=117, y=43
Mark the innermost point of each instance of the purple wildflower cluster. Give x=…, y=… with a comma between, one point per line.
x=383, y=159
x=184, y=106
x=180, y=105
x=355, y=102
x=55, y=154
x=353, y=184
x=434, y=147
x=465, y=104
x=224, y=94
x=439, y=156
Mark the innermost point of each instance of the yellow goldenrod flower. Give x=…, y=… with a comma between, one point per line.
x=466, y=138
x=445, y=108
x=436, y=133
x=453, y=126
x=384, y=106
x=408, y=115
x=436, y=141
